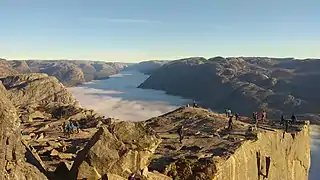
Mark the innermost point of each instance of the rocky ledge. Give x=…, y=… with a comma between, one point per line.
x=110, y=148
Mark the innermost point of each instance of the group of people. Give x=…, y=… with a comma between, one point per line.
x=70, y=127
x=255, y=116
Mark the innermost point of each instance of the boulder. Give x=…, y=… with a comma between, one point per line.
x=36, y=115
x=117, y=153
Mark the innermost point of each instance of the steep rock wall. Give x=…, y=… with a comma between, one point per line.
x=288, y=154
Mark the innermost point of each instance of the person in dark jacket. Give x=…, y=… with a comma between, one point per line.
x=282, y=120
x=230, y=122
x=181, y=133
x=293, y=118
x=77, y=125
x=287, y=125
x=237, y=116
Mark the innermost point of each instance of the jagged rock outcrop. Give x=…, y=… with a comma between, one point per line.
x=126, y=148
x=20, y=66
x=276, y=85
x=6, y=69
x=12, y=152
x=36, y=88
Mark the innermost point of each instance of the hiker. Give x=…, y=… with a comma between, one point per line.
x=69, y=128
x=64, y=127
x=254, y=116
x=287, y=125
x=263, y=116
x=228, y=112
x=293, y=118
x=282, y=120
x=132, y=177
x=230, y=122
x=181, y=133
x=237, y=116
x=77, y=125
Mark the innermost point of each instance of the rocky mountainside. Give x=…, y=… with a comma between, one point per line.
x=36, y=89
x=69, y=72
x=147, y=67
x=6, y=68
x=73, y=72
x=22, y=93
x=12, y=153
x=244, y=84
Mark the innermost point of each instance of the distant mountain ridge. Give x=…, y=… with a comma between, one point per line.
x=244, y=84
x=69, y=72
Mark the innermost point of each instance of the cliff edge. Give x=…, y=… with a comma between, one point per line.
x=210, y=150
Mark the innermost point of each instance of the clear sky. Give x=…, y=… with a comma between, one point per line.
x=135, y=30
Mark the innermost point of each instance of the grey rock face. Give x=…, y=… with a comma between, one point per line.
x=244, y=84
x=35, y=88
x=12, y=162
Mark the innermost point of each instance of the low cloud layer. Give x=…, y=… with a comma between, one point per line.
x=118, y=97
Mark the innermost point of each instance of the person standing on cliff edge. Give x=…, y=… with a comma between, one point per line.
x=293, y=118
x=237, y=116
x=263, y=116
x=230, y=122
x=282, y=120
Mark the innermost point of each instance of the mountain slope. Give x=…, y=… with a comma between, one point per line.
x=243, y=84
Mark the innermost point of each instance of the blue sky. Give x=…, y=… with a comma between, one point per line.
x=135, y=30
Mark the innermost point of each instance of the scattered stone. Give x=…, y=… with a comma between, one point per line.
x=54, y=145
x=54, y=153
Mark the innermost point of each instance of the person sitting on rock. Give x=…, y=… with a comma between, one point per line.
x=230, y=122
x=65, y=128
x=72, y=126
x=181, y=133
x=293, y=118
x=77, y=126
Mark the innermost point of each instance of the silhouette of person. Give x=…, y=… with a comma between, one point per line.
x=230, y=122
x=293, y=118
x=181, y=133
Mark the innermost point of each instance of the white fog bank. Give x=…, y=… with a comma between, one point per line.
x=120, y=98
